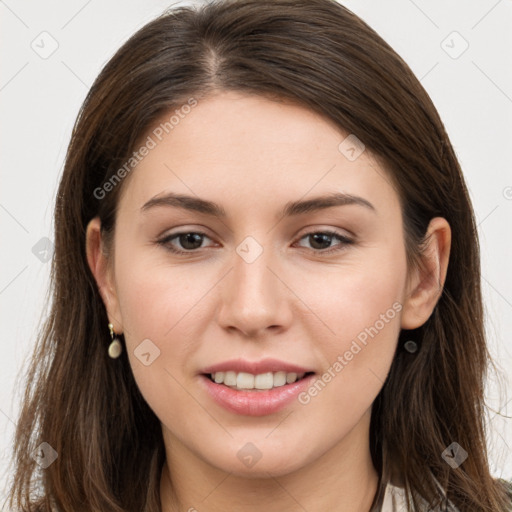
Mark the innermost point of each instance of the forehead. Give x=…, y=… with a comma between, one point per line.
x=237, y=146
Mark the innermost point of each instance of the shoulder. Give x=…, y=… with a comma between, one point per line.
x=395, y=501
x=507, y=484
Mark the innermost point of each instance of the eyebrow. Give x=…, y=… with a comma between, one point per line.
x=292, y=208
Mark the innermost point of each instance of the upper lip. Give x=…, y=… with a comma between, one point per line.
x=255, y=367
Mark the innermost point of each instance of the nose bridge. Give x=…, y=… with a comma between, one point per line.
x=253, y=299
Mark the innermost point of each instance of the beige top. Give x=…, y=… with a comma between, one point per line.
x=394, y=501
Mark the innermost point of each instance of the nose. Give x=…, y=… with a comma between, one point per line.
x=255, y=298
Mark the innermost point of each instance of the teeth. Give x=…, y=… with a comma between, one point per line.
x=243, y=380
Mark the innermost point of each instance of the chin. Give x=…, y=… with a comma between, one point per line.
x=250, y=462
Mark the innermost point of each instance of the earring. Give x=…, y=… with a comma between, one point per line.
x=115, y=348
x=411, y=346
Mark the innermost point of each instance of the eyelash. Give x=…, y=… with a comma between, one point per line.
x=344, y=241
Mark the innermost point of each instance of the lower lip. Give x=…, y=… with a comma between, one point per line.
x=255, y=403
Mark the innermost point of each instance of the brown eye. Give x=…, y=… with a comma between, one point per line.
x=187, y=240
x=190, y=240
x=321, y=240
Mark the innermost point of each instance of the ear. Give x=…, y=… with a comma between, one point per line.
x=102, y=270
x=426, y=284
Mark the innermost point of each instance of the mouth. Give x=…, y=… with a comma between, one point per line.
x=240, y=393
x=243, y=381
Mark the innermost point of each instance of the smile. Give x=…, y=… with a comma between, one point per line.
x=262, y=381
x=251, y=401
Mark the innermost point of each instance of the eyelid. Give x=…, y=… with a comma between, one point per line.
x=326, y=228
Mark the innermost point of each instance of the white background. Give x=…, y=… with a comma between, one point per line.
x=39, y=100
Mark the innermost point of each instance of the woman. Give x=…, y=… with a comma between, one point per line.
x=266, y=281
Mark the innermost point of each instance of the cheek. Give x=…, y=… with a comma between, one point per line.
x=352, y=297
x=359, y=308
x=157, y=304
x=160, y=305
x=155, y=299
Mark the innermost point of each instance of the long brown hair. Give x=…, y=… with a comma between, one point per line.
x=316, y=52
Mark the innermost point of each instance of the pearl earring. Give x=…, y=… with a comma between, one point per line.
x=115, y=348
x=411, y=346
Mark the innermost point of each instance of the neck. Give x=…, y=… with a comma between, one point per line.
x=342, y=479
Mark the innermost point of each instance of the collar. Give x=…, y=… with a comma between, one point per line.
x=394, y=501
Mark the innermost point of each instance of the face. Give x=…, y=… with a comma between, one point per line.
x=319, y=288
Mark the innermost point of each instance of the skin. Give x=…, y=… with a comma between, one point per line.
x=252, y=155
